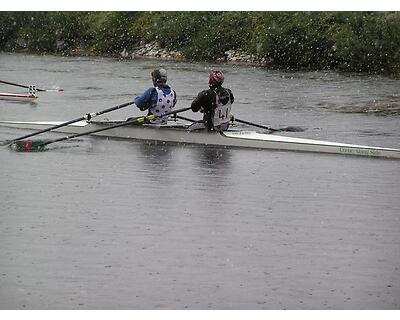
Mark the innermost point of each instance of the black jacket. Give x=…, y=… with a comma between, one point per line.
x=207, y=100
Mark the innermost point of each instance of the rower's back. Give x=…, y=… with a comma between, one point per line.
x=215, y=103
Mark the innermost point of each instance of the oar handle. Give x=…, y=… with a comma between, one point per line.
x=134, y=120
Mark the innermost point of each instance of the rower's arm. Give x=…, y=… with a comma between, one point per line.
x=143, y=102
x=201, y=101
x=175, y=99
x=231, y=96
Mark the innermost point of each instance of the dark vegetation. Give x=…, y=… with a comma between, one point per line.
x=346, y=41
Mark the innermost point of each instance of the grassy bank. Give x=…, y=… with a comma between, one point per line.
x=346, y=41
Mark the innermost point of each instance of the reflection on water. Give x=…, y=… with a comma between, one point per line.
x=160, y=154
x=195, y=166
x=157, y=160
x=155, y=154
x=212, y=167
x=21, y=103
x=216, y=158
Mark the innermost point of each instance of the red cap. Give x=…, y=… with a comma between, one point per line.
x=215, y=78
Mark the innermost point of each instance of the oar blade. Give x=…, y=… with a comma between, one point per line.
x=50, y=90
x=28, y=146
x=293, y=129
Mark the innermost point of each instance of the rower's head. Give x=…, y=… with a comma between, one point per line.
x=215, y=79
x=159, y=77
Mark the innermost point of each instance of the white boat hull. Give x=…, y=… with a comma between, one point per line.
x=17, y=97
x=231, y=138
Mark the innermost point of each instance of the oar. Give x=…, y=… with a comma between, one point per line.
x=27, y=87
x=287, y=129
x=87, y=116
x=184, y=118
x=290, y=129
x=29, y=146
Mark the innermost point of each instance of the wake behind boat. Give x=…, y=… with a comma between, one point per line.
x=175, y=132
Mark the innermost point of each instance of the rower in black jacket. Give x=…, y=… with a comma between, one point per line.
x=215, y=104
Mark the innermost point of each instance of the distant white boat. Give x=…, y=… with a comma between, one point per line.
x=17, y=97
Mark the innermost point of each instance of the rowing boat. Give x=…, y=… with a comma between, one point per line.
x=17, y=97
x=176, y=132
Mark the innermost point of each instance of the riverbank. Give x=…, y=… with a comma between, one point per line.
x=345, y=41
x=154, y=51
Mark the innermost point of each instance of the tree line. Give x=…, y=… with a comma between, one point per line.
x=345, y=41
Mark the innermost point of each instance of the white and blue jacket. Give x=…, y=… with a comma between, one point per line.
x=158, y=100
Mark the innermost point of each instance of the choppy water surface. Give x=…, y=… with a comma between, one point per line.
x=117, y=224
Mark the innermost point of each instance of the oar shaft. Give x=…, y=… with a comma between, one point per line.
x=27, y=87
x=134, y=120
x=111, y=109
x=238, y=120
x=184, y=118
x=85, y=117
x=254, y=124
x=14, y=84
x=46, y=130
x=286, y=129
x=290, y=129
x=19, y=85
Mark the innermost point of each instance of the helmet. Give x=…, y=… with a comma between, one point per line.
x=215, y=78
x=159, y=76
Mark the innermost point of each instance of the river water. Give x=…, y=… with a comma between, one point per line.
x=118, y=224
